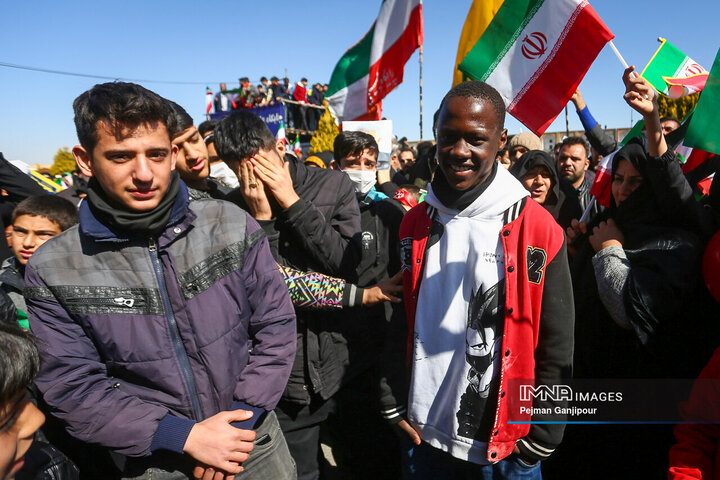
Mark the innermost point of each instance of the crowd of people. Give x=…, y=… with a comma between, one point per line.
x=202, y=304
x=272, y=92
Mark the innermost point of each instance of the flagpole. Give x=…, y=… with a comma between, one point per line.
x=617, y=54
x=421, y=95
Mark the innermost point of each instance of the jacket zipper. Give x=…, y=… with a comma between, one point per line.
x=180, y=351
x=109, y=302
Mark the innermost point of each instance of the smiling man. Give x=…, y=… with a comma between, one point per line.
x=488, y=300
x=144, y=312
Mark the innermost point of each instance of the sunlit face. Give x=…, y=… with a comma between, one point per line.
x=134, y=167
x=626, y=180
x=406, y=159
x=193, y=162
x=19, y=420
x=468, y=137
x=669, y=126
x=29, y=232
x=538, y=182
x=516, y=152
x=367, y=160
x=573, y=163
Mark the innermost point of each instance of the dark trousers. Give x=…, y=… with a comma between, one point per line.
x=362, y=443
x=301, y=426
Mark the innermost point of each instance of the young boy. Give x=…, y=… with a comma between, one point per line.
x=19, y=418
x=35, y=220
x=146, y=310
x=488, y=300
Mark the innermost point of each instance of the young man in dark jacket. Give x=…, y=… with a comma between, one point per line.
x=312, y=220
x=489, y=305
x=144, y=312
x=361, y=401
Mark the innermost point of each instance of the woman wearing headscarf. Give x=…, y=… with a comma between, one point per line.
x=537, y=172
x=640, y=304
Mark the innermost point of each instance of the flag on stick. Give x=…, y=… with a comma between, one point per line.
x=704, y=129
x=536, y=53
x=673, y=73
x=478, y=18
x=374, y=66
x=208, y=100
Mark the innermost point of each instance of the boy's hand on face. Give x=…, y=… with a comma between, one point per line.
x=218, y=445
x=275, y=173
x=253, y=191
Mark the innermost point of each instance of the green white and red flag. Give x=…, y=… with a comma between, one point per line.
x=536, y=53
x=704, y=129
x=373, y=67
x=673, y=73
x=208, y=100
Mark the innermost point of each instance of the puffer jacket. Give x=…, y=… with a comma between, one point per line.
x=140, y=339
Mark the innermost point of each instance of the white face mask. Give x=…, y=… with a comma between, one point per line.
x=364, y=180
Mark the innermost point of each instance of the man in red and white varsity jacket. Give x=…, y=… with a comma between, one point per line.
x=489, y=302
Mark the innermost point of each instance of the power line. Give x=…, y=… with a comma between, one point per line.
x=101, y=77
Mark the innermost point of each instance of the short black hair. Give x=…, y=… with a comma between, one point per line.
x=480, y=91
x=263, y=79
x=241, y=135
x=183, y=120
x=407, y=149
x=569, y=141
x=207, y=126
x=669, y=118
x=119, y=105
x=54, y=208
x=19, y=361
x=353, y=143
x=274, y=78
x=303, y=79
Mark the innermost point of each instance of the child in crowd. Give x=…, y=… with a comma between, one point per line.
x=19, y=418
x=34, y=221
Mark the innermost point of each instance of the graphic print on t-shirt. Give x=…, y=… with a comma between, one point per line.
x=483, y=341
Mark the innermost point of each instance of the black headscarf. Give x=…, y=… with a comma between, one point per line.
x=664, y=259
x=561, y=200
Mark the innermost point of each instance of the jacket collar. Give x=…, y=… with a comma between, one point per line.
x=95, y=229
x=11, y=273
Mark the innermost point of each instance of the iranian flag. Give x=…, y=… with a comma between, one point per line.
x=374, y=66
x=536, y=53
x=704, y=129
x=673, y=73
x=208, y=100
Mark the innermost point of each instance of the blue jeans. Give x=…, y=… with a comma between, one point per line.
x=425, y=462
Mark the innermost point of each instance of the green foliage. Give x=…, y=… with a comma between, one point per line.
x=325, y=134
x=679, y=107
x=63, y=162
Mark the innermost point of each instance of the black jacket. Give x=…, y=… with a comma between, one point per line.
x=320, y=232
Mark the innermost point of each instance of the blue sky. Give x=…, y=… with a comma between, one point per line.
x=213, y=41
